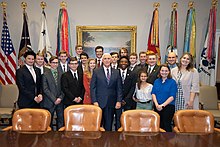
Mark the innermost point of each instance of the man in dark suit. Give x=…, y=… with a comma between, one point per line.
x=39, y=62
x=152, y=68
x=52, y=94
x=106, y=90
x=143, y=60
x=128, y=86
x=72, y=84
x=63, y=66
x=28, y=80
x=99, y=52
x=128, y=83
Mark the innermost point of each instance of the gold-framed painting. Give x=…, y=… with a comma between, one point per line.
x=112, y=38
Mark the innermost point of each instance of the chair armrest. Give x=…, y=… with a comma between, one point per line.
x=49, y=129
x=62, y=129
x=217, y=130
x=102, y=129
x=162, y=130
x=120, y=129
x=7, y=128
x=176, y=130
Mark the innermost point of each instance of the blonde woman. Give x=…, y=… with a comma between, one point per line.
x=187, y=78
x=87, y=76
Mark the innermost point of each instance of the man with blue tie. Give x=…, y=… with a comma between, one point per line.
x=106, y=90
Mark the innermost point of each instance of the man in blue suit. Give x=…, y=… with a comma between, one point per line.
x=106, y=90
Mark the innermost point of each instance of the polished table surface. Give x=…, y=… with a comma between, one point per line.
x=109, y=139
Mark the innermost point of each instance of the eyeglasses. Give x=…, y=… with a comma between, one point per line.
x=73, y=63
x=54, y=62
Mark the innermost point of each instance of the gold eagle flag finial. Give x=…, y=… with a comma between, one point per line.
x=174, y=5
x=156, y=5
x=191, y=4
x=63, y=4
x=43, y=5
x=24, y=5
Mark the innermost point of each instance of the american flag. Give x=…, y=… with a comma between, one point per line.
x=7, y=56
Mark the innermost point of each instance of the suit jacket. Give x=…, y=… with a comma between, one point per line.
x=128, y=88
x=72, y=88
x=51, y=91
x=28, y=89
x=106, y=94
x=153, y=75
x=60, y=69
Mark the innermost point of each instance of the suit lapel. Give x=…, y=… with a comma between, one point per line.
x=27, y=70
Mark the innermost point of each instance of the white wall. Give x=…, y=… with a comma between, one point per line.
x=108, y=12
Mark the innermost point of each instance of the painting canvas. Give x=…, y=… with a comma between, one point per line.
x=112, y=38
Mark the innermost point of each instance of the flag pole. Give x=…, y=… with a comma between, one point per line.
x=214, y=3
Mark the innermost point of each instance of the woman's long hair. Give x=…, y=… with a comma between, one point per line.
x=190, y=66
x=139, y=81
x=87, y=69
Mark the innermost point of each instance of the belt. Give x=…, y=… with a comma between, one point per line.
x=145, y=102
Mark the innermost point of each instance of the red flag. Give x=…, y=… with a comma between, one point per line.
x=153, y=40
x=63, y=32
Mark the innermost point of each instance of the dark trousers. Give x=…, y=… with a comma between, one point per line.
x=107, y=118
x=59, y=109
x=166, y=116
x=118, y=113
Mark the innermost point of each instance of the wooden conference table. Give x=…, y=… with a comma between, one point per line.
x=109, y=139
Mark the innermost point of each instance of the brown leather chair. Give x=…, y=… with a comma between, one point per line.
x=82, y=118
x=198, y=121
x=140, y=121
x=30, y=121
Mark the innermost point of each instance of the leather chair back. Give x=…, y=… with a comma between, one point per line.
x=194, y=121
x=82, y=118
x=31, y=120
x=8, y=95
x=140, y=121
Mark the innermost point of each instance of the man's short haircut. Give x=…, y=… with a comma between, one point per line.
x=124, y=57
x=142, y=52
x=52, y=58
x=29, y=52
x=134, y=54
x=84, y=54
x=40, y=54
x=72, y=59
x=114, y=53
x=63, y=52
x=78, y=46
x=99, y=47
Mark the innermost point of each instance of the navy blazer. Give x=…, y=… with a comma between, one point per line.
x=153, y=75
x=72, y=88
x=129, y=87
x=102, y=92
x=28, y=89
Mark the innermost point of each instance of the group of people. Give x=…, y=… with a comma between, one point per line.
x=114, y=81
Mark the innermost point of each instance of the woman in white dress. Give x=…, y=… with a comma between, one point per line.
x=142, y=94
x=187, y=78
